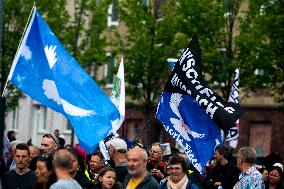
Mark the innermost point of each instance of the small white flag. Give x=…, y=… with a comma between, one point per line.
x=233, y=133
x=118, y=95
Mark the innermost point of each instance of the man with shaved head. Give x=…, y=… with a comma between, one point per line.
x=62, y=165
x=49, y=144
x=138, y=177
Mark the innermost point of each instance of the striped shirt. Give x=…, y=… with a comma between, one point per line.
x=251, y=179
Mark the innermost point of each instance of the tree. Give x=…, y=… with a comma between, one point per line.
x=161, y=29
x=144, y=53
x=85, y=39
x=233, y=34
x=215, y=23
x=261, y=47
x=236, y=34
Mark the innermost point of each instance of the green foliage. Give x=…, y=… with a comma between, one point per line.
x=231, y=36
x=145, y=61
x=84, y=39
x=151, y=40
x=214, y=23
x=261, y=47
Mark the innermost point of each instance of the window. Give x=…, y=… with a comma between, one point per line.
x=68, y=126
x=112, y=19
x=39, y=117
x=108, y=69
x=15, y=119
x=260, y=137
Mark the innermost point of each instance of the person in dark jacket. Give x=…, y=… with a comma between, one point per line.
x=275, y=178
x=44, y=173
x=225, y=174
x=138, y=177
x=22, y=177
x=117, y=149
x=77, y=170
x=95, y=162
x=178, y=175
x=155, y=164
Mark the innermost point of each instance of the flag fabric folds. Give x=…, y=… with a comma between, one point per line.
x=118, y=99
x=189, y=125
x=45, y=70
x=233, y=133
x=186, y=78
x=118, y=95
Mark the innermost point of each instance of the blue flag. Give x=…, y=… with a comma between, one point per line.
x=172, y=62
x=190, y=126
x=45, y=70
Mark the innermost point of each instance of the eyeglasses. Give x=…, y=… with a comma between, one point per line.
x=274, y=175
x=174, y=168
x=154, y=152
x=94, y=162
x=49, y=136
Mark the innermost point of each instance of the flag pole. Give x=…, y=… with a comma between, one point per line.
x=2, y=100
x=24, y=37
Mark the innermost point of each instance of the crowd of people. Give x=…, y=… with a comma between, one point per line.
x=59, y=166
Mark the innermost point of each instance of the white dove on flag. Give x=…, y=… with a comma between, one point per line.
x=179, y=124
x=50, y=55
x=51, y=92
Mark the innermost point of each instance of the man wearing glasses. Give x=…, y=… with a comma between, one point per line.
x=95, y=164
x=49, y=144
x=155, y=164
x=250, y=177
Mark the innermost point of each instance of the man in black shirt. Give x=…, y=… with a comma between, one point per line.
x=22, y=177
x=225, y=174
x=95, y=163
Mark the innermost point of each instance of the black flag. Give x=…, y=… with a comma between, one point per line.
x=186, y=78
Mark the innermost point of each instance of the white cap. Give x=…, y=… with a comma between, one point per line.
x=117, y=144
x=278, y=165
x=15, y=143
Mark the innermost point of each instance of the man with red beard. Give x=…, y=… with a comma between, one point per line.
x=138, y=177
